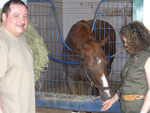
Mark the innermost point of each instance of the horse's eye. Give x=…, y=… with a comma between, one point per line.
x=89, y=69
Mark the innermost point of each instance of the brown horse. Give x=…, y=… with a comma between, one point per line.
x=92, y=49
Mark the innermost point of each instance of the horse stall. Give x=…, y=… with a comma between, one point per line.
x=71, y=81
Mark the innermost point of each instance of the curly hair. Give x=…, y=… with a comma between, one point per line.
x=137, y=35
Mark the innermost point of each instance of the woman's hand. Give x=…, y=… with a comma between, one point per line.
x=108, y=103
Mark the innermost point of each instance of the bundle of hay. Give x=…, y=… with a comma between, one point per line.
x=40, y=53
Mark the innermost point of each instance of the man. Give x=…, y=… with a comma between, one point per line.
x=17, y=93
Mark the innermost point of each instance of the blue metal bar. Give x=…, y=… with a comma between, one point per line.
x=65, y=62
x=71, y=102
x=97, y=14
x=73, y=63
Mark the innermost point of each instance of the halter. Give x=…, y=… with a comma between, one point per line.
x=92, y=84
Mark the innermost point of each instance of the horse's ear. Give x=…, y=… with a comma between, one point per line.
x=103, y=42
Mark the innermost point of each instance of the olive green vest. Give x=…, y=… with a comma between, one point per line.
x=133, y=75
x=134, y=81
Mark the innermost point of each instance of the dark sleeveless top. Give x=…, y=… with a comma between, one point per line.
x=134, y=81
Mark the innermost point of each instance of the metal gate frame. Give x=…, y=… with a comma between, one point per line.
x=70, y=102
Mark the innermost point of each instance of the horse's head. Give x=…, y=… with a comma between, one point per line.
x=95, y=66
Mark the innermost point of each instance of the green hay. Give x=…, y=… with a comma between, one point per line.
x=40, y=53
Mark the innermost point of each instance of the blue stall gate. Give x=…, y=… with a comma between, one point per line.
x=51, y=89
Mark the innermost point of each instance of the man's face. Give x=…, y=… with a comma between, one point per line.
x=16, y=21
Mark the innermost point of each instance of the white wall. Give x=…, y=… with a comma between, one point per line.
x=2, y=2
x=71, y=11
x=146, y=16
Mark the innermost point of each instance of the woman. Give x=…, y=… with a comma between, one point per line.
x=135, y=89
